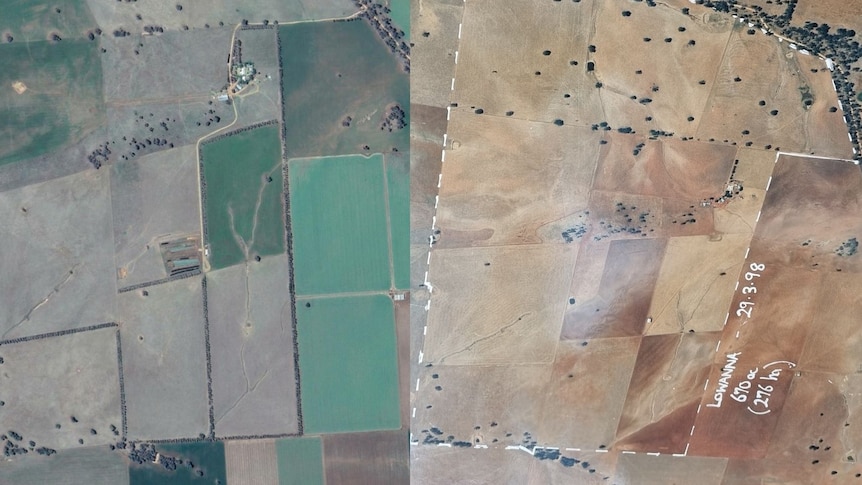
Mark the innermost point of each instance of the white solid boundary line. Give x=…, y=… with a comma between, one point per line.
x=769, y=182
x=726, y=316
x=414, y=412
x=746, y=250
x=653, y=454
x=448, y=112
x=456, y=58
x=421, y=356
x=757, y=219
x=452, y=88
x=686, y=449
x=425, y=330
x=706, y=384
x=417, y=383
x=443, y=156
x=808, y=155
x=439, y=179
x=429, y=259
x=737, y=334
x=445, y=137
x=698, y=408
x=627, y=452
x=459, y=27
x=601, y=451
x=736, y=288
x=717, y=345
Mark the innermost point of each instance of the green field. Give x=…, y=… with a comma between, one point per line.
x=401, y=15
x=35, y=20
x=62, y=102
x=240, y=202
x=332, y=70
x=300, y=461
x=348, y=364
x=207, y=457
x=338, y=220
x=398, y=181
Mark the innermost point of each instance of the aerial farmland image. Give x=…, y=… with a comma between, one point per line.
x=205, y=229
x=634, y=236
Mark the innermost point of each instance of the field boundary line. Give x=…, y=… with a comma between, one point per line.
x=124, y=420
x=180, y=276
x=58, y=333
x=211, y=417
x=288, y=239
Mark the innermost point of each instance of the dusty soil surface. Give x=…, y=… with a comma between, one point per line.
x=499, y=305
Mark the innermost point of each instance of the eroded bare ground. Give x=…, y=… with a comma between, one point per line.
x=373, y=457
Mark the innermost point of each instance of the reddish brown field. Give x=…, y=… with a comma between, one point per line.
x=586, y=392
x=360, y=458
x=621, y=305
x=812, y=208
x=815, y=440
x=664, y=391
x=834, y=343
x=667, y=168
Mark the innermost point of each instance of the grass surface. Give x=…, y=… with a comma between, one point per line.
x=401, y=15
x=348, y=364
x=300, y=461
x=333, y=70
x=338, y=218
x=207, y=457
x=62, y=102
x=398, y=183
x=236, y=170
x=35, y=20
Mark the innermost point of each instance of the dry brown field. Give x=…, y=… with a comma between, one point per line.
x=492, y=405
x=836, y=13
x=499, y=305
x=504, y=68
x=826, y=131
x=668, y=168
x=586, y=392
x=360, y=458
x=620, y=307
x=834, y=343
x=759, y=96
x=812, y=208
x=664, y=391
x=433, y=55
x=696, y=283
x=667, y=73
x=251, y=462
x=503, y=179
